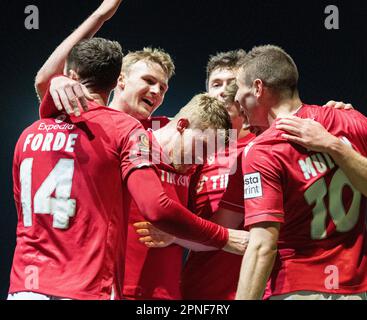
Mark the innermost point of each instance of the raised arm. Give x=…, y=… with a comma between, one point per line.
x=55, y=63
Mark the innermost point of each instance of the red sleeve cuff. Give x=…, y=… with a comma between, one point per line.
x=263, y=217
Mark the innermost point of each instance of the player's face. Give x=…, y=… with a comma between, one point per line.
x=235, y=112
x=145, y=85
x=256, y=114
x=218, y=80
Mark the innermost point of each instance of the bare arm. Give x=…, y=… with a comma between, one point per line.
x=258, y=261
x=353, y=164
x=55, y=63
x=313, y=136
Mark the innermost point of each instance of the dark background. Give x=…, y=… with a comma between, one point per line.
x=332, y=64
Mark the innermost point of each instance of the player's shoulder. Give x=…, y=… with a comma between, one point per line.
x=272, y=136
x=44, y=124
x=243, y=142
x=329, y=116
x=117, y=118
x=266, y=145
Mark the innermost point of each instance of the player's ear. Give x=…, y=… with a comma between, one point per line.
x=182, y=124
x=258, y=86
x=121, y=81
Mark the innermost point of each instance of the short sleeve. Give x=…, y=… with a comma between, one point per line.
x=263, y=191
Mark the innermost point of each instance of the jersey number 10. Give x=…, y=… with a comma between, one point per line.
x=59, y=181
x=343, y=221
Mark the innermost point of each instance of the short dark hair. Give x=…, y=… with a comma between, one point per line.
x=230, y=92
x=97, y=61
x=273, y=66
x=224, y=60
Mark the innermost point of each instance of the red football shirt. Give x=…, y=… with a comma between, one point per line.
x=155, y=273
x=214, y=275
x=69, y=178
x=323, y=241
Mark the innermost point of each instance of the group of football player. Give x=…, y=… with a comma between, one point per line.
x=114, y=203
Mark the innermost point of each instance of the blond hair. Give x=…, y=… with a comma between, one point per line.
x=205, y=112
x=155, y=55
x=273, y=66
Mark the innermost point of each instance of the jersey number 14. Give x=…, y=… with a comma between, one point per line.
x=61, y=207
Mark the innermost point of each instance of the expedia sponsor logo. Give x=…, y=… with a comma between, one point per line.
x=59, y=125
x=253, y=186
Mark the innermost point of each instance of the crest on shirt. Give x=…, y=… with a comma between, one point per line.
x=253, y=186
x=143, y=143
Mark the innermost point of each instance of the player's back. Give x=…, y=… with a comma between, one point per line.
x=68, y=185
x=323, y=215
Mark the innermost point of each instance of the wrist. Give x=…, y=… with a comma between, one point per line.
x=335, y=147
x=225, y=238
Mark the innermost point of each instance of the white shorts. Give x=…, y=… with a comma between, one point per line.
x=32, y=296
x=310, y=295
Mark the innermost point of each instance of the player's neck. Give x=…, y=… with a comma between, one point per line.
x=115, y=103
x=285, y=107
x=243, y=133
x=101, y=99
